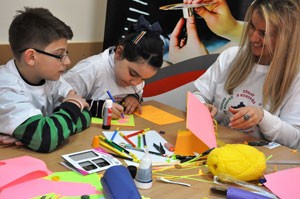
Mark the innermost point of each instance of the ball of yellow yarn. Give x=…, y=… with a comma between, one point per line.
x=240, y=161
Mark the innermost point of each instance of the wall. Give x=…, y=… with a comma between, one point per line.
x=86, y=17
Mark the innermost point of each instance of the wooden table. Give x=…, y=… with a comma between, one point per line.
x=159, y=190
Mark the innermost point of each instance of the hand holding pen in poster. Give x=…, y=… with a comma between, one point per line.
x=190, y=45
x=179, y=6
x=186, y=8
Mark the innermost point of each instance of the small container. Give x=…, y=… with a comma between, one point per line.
x=107, y=114
x=143, y=178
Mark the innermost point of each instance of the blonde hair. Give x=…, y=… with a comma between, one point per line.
x=282, y=16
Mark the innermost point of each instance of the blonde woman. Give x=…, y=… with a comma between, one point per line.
x=256, y=87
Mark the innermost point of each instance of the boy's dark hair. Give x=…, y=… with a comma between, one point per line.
x=36, y=28
x=149, y=47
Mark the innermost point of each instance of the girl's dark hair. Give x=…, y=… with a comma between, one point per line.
x=149, y=47
x=36, y=28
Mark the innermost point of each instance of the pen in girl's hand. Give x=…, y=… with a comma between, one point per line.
x=114, y=101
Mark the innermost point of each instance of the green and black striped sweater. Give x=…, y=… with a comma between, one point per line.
x=46, y=133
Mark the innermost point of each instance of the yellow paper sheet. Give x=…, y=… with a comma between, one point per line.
x=127, y=121
x=158, y=116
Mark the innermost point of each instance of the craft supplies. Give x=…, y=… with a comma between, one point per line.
x=173, y=182
x=240, y=161
x=107, y=114
x=143, y=178
x=90, y=161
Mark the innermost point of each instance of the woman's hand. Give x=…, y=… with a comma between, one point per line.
x=212, y=109
x=245, y=117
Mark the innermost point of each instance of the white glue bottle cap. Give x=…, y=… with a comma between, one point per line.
x=108, y=103
x=143, y=178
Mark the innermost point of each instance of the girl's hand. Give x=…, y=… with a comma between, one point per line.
x=117, y=111
x=131, y=104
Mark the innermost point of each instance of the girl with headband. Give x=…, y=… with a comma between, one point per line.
x=121, y=69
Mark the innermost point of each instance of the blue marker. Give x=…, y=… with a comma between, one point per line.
x=110, y=96
x=114, y=101
x=115, y=133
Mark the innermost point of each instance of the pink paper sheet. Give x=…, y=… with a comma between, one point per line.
x=17, y=170
x=285, y=183
x=199, y=121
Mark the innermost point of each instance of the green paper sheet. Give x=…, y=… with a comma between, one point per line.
x=127, y=121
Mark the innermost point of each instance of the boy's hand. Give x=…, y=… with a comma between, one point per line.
x=7, y=139
x=132, y=104
x=72, y=95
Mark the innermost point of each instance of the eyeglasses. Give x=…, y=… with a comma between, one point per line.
x=60, y=57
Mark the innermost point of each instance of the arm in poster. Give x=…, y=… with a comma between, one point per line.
x=180, y=48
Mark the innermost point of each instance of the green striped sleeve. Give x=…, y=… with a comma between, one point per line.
x=45, y=134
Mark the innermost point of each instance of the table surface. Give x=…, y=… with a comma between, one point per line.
x=83, y=141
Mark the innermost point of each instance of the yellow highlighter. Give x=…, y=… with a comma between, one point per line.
x=112, y=148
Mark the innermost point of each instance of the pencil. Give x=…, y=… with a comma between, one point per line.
x=138, y=132
x=114, y=101
x=111, y=148
x=287, y=162
x=125, y=150
x=142, y=150
x=109, y=143
x=127, y=140
x=139, y=141
x=144, y=140
x=125, y=158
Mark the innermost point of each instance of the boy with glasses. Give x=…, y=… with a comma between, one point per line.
x=37, y=107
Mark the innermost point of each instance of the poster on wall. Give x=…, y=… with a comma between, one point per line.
x=188, y=59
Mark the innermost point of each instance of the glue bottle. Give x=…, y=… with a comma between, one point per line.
x=143, y=178
x=107, y=114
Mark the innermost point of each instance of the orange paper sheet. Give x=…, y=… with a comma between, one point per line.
x=158, y=116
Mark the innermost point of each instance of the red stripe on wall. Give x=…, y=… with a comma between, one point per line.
x=167, y=84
